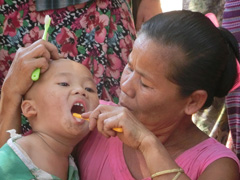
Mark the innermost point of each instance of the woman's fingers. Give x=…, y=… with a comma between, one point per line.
x=93, y=118
x=38, y=55
x=52, y=49
x=108, y=117
x=98, y=116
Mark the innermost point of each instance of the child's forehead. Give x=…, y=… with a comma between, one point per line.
x=68, y=68
x=65, y=65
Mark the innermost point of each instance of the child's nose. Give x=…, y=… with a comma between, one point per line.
x=79, y=91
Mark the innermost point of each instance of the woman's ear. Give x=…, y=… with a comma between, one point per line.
x=28, y=108
x=196, y=101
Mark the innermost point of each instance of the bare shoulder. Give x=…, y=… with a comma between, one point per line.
x=221, y=169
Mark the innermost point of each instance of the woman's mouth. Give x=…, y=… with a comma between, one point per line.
x=124, y=105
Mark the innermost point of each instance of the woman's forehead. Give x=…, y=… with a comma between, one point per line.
x=154, y=59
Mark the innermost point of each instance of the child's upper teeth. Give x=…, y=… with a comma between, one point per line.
x=78, y=104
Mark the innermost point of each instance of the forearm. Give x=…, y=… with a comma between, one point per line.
x=9, y=115
x=158, y=159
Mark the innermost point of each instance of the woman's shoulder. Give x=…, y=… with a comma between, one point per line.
x=208, y=150
x=196, y=159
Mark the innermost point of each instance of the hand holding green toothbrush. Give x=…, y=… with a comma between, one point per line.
x=47, y=21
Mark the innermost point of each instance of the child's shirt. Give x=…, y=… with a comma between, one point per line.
x=16, y=164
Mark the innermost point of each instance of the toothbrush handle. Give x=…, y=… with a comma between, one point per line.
x=79, y=116
x=44, y=35
x=118, y=129
x=35, y=74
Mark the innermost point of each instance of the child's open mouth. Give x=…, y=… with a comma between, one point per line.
x=78, y=108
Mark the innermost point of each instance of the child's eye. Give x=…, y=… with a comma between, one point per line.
x=89, y=89
x=63, y=84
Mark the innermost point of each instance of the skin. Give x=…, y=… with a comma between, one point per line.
x=146, y=10
x=48, y=105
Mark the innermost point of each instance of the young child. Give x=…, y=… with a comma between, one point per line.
x=66, y=87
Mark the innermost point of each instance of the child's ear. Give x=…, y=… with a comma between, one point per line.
x=196, y=101
x=28, y=108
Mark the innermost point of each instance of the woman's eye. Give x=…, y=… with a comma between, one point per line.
x=144, y=85
x=130, y=69
x=63, y=84
x=89, y=89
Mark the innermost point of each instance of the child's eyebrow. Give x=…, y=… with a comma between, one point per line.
x=63, y=74
x=86, y=78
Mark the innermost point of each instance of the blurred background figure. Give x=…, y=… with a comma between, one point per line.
x=231, y=21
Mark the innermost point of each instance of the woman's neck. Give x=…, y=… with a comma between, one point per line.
x=183, y=139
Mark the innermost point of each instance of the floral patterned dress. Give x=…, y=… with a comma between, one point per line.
x=98, y=34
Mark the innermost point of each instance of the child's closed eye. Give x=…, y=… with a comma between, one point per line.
x=144, y=85
x=89, y=89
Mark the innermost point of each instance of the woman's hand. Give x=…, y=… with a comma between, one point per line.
x=146, y=10
x=25, y=62
x=107, y=117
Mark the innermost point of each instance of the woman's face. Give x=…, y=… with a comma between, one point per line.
x=145, y=90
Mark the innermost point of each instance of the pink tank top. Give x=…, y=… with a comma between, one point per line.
x=101, y=158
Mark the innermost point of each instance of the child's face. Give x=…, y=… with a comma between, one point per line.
x=66, y=87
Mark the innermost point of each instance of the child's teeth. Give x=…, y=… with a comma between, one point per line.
x=78, y=119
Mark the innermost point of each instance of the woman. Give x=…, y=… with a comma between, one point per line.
x=179, y=63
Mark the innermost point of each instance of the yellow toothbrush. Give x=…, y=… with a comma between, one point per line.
x=80, y=117
x=47, y=21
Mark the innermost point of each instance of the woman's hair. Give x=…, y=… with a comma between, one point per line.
x=209, y=61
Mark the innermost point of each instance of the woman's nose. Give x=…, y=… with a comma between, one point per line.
x=80, y=91
x=128, y=84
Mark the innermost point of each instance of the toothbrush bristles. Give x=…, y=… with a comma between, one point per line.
x=46, y=20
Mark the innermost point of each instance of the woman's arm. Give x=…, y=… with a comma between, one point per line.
x=9, y=113
x=18, y=81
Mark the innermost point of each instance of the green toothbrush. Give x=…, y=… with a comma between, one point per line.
x=47, y=21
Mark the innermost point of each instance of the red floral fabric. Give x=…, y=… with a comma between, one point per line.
x=98, y=34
